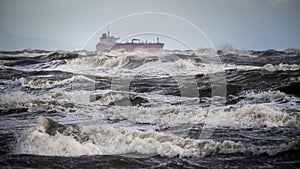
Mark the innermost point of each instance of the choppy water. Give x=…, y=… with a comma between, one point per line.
x=73, y=109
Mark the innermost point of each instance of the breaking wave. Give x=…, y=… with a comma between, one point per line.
x=59, y=103
x=40, y=83
x=281, y=67
x=51, y=138
x=249, y=115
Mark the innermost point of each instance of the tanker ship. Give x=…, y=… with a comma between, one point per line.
x=108, y=42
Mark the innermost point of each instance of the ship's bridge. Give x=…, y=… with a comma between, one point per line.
x=107, y=39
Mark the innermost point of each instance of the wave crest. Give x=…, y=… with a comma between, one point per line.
x=104, y=140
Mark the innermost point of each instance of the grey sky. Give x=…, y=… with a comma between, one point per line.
x=67, y=24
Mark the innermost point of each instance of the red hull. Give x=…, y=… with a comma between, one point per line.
x=129, y=46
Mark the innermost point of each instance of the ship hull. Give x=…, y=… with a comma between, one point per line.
x=129, y=46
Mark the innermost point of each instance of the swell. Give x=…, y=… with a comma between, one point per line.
x=43, y=58
x=260, y=58
x=261, y=115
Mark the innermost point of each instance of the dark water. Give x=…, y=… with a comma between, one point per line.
x=150, y=109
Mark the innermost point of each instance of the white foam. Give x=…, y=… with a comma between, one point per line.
x=281, y=67
x=46, y=83
x=257, y=115
x=101, y=61
x=269, y=95
x=59, y=101
x=244, y=53
x=171, y=115
x=15, y=99
x=114, y=64
x=106, y=140
x=265, y=96
x=244, y=116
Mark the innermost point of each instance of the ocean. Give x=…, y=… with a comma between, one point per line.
x=150, y=109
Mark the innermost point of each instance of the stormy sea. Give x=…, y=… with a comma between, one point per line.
x=150, y=109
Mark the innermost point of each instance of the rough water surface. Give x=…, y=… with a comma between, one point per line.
x=62, y=109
